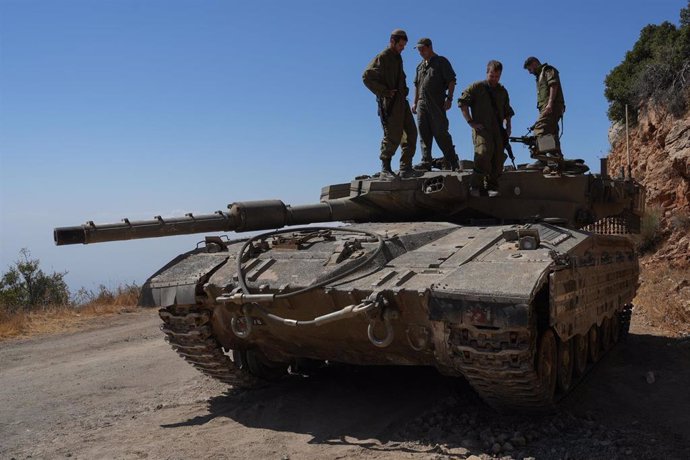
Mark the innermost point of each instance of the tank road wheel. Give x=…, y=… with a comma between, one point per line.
x=606, y=334
x=257, y=364
x=565, y=365
x=593, y=343
x=615, y=328
x=547, y=358
x=581, y=352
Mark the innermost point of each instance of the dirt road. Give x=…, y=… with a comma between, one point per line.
x=118, y=391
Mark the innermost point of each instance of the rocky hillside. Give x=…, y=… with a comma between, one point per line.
x=660, y=160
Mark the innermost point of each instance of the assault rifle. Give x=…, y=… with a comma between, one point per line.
x=529, y=141
x=545, y=149
x=506, y=145
x=540, y=147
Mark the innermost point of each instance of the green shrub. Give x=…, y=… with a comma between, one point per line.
x=657, y=69
x=24, y=286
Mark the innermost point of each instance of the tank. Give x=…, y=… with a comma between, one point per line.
x=519, y=293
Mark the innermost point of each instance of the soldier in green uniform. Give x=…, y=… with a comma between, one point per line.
x=485, y=105
x=434, y=85
x=550, y=101
x=385, y=77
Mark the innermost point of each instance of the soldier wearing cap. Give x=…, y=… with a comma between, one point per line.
x=434, y=85
x=550, y=101
x=485, y=105
x=385, y=77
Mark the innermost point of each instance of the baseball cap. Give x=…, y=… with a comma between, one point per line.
x=423, y=42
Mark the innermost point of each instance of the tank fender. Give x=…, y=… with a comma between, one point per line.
x=177, y=282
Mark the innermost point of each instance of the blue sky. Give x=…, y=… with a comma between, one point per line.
x=122, y=108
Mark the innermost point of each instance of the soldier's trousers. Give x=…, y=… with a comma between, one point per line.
x=548, y=124
x=399, y=129
x=488, y=158
x=433, y=124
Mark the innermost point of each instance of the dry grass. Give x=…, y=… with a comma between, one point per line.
x=663, y=298
x=55, y=319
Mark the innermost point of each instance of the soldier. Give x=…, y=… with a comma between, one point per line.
x=385, y=77
x=550, y=101
x=485, y=105
x=434, y=85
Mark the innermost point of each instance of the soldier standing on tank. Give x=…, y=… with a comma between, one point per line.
x=434, y=85
x=550, y=101
x=485, y=105
x=385, y=77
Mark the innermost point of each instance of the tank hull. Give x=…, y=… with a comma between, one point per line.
x=506, y=307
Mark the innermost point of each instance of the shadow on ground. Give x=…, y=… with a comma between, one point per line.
x=615, y=413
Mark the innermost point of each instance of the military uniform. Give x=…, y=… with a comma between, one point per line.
x=432, y=80
x=488, y=142
x=546, y=76
x=385, y=72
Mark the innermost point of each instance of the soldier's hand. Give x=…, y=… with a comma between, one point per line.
x=547, y=110
x=414, y=108
x=447, y=104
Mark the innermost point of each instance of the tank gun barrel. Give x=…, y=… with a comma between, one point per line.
x=241, y=217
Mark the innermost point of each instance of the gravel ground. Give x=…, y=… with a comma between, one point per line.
x=116, y=390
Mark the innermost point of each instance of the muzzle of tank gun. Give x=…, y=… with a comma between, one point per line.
x=69, y=235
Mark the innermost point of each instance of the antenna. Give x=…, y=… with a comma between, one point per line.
x=627, y=142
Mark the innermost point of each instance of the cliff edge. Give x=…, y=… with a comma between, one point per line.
x=659, y=159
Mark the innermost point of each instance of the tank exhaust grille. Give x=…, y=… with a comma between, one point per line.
x=625, y=223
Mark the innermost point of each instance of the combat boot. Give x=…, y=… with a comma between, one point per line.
x=406, y=171
x=424, y=165
x=386, y=171
x=455, y=164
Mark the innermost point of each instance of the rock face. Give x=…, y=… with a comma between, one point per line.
x=660, y=160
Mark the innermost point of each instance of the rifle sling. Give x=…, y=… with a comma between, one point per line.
x=495, y=107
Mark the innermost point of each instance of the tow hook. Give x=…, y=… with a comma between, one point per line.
x=387, y=315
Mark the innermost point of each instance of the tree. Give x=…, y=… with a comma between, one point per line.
x=26, y=287
x=685, y=16
x=656, y=70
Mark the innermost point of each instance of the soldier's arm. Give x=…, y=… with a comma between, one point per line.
x=373, y=79
x=553, y=90
x=464, y=102
x=465, y=109
x=553, y=81
x=449, y=95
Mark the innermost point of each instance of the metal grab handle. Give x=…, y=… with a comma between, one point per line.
x=387, y=340
x=237, y=331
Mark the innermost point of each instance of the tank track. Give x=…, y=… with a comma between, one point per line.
x=489, y=360
x=188, y=330
x=493, y=359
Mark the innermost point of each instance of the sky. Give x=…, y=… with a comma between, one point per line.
x=135, y=108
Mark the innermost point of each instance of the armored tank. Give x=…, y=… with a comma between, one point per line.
x=518, y=293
